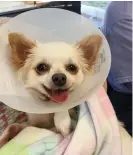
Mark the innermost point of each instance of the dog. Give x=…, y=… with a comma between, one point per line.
x=52, y=71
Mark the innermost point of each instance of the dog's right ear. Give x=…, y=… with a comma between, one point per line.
x=20, y=48
x=90, y=47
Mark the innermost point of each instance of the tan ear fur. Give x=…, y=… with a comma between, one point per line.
x=20, y=48
x=90, y=46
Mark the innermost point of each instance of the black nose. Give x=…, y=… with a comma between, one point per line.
x=59, y=79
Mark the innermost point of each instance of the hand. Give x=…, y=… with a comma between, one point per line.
x=10, y=132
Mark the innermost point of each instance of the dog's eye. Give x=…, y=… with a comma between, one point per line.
x=72, y=68
x=41, y=68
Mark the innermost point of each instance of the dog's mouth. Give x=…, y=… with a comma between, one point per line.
x=57, y=95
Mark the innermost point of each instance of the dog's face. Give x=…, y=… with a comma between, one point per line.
x=55, y=69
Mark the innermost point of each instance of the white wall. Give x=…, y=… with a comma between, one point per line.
x=9, y=4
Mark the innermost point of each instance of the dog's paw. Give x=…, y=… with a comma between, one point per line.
x=10, y=132
x=64, y=128
x=62, y=122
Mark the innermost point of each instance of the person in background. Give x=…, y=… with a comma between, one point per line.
x=117, y=28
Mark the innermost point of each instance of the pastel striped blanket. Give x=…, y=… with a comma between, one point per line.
x=97, y=133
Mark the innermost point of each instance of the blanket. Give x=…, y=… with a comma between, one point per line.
x=96, y=133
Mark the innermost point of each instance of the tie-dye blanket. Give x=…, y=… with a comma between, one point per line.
x=97, y=133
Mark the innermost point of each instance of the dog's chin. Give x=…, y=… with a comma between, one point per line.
x=58, y=95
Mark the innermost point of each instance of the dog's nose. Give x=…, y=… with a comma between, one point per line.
x=59, y=79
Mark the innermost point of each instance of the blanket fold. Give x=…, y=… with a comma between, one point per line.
x=96, y=133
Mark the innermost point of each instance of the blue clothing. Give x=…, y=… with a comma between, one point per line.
x=117, y=28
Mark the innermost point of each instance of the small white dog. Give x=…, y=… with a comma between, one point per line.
x=52, y=71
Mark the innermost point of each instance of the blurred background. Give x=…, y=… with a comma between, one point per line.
x=93, y=10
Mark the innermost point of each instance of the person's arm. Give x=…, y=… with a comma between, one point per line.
x=112, y=15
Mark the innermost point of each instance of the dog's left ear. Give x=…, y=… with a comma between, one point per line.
x=20, y=48
x=90, y=46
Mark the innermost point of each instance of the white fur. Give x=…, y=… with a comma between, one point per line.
x=63, y=125
x=57, y=55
